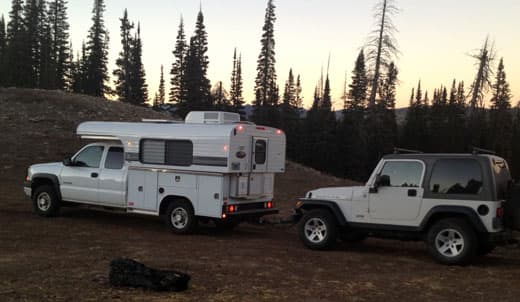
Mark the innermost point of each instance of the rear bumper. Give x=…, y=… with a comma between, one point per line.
x=253, y=213
x=27, y=188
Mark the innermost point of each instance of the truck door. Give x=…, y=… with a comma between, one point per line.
x=112, y=179
x=80, y=180
x=399, y=195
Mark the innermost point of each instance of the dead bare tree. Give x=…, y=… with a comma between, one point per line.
x=484, y=59
x=381, y=45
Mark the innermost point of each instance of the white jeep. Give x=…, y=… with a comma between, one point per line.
x=454, y=202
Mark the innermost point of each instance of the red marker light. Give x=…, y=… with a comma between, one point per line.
x=260, y=128
x=240, y=128
x=278, y=131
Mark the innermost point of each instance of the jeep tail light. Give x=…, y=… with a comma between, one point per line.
x=500, y=212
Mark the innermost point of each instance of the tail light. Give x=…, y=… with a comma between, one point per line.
x=231, y=209
x=269, y=205
x=500, y=212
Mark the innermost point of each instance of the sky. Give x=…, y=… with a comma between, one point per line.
x=435, y=38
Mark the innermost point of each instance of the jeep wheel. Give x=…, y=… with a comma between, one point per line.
x=452, y=241
x=180, y=217
x=45, y=201
x=318, y=229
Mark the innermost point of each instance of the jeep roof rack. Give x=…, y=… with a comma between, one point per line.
x=477, y=151
x=401, y=151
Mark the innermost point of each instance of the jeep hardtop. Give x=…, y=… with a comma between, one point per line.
x=454, y=202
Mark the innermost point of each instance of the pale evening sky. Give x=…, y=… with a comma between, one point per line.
x=435, y=38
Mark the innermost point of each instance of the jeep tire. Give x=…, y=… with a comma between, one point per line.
x=318, y=230
x=45, y=201
x=180, y=217
x=452, y=241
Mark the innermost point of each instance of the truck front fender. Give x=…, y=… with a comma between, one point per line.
x=45, y=178
x=311, y=204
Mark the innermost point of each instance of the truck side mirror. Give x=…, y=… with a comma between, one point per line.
x=67, y=162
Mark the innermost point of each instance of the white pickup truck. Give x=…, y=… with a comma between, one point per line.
x=211, y=167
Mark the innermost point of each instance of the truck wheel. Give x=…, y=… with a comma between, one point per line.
x=180, y=217
x=452, y=241
x=318, y=230
x=45, y=201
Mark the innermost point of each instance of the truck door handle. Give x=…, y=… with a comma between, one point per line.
x=94, y=175
x=412, y=193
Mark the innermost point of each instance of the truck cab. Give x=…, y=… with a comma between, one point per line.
x=455, y=202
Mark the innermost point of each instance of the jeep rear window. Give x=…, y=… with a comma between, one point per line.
x=456, y=176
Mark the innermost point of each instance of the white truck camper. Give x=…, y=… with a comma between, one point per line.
x=211, y=167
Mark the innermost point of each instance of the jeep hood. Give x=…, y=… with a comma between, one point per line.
x=344, y=193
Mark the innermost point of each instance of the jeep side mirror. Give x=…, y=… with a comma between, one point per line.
x=67, y=162
x=382, y=181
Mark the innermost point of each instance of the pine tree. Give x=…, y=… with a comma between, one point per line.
x=382, y=46
x=124, y=62
x=266, y=92
x=61, y=51
x=236, y=86
x=138, y=86
x=197, y=94
x=17, y=64
x=178, y=88
x=298, y=98
x=500, y=116
x=32, y=39
x=47, y=64
x=162, y=91
x=97, y=53
x=358, y=87
x=2, y=50
x=221, y=97
x=515, y=143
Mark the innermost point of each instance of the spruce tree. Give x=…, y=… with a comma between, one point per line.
x=197, y=94
x=138, y=87
x=500, y=116
x=178, y=88
x=266, y=92
x=288, y=114
x=97, y=53
x=46, y=63
x=2, y=50
x=61, y=51
x=235, y=92
x=124, y=61
x=162, y=90
x=32, y=39
x=515, y=143
x=17, y=64
x=357, y=95
x=220, y=97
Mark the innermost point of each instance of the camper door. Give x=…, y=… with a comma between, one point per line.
x=259, y=160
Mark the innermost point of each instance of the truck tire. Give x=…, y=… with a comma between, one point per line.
x=318, y=230
x=45, y=201
x=180, y=217
x=452, y=241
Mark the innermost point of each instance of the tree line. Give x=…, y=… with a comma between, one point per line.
x=35, y=52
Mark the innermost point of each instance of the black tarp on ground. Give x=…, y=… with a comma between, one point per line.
x=127, y=272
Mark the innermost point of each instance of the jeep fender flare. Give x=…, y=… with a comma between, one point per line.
x=467, y=212
x=310, y=204
x=47, y=177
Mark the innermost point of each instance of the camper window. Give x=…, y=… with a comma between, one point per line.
x=167, y=152
x=260, y=151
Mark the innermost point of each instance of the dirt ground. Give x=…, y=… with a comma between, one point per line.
x=67, y=258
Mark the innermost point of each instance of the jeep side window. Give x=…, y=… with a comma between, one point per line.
x=89, y=157
x=114, y=159
x=403, y=173
x=456, y=176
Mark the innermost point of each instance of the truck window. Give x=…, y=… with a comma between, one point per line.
x=114, y=158
x=89, y=157
x=260, y=151
x=456, y=176
x=167, y=152
x=403, y=173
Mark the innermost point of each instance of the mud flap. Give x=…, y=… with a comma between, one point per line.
x=512, y=210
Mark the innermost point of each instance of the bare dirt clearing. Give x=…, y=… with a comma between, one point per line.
x=66, y=258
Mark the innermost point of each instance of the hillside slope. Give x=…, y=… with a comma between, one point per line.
x=38, y=126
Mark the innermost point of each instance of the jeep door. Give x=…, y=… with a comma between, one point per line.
x=399, y=194
x=80, y=180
